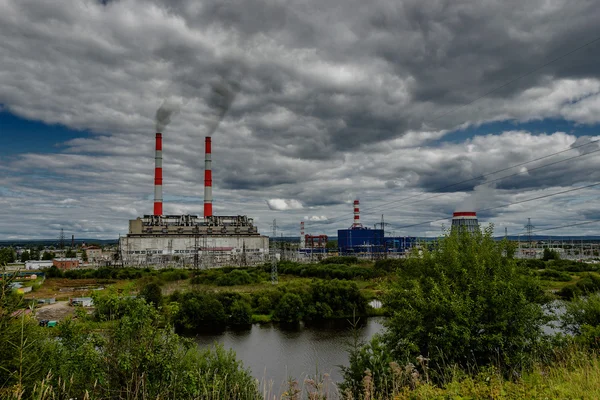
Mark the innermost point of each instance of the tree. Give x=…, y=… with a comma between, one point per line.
x=84, y=255
x=152, y=294
x=25, y=256
x=290, y=308
x=464, y=303
x=48, y=255
x=241, y=313
x=550, y=255
x=7, y=256
x=34, y=254
x=70, y=253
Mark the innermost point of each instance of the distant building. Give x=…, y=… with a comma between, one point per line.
x=94, y=253
x=65, y=263
x=34, y=264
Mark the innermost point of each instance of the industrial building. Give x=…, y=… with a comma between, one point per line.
x=189, y=240
x=465, y=220
x=365, y=242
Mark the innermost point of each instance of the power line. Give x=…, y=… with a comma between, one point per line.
x=563, y=226
x=345, y=216
x=510, y=204
x=499, y=88
x=510, y=176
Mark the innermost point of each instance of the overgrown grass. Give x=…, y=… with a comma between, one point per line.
x=577, y=377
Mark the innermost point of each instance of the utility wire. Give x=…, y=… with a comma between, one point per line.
x=562, y=226
x=372, y=209
x=508, y=176
x=499, y=88
x=507, y=205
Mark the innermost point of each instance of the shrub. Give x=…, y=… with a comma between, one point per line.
x=550, y=255
x=199, y=310
x=463, y=303
x=290, y=308
x=241, y=313
x=152, y=294
x=389, y=265
x=555, y=275
x=346, y=260
x=589, y=283
x=582, y=319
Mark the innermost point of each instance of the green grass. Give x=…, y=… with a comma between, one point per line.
x=574, y=379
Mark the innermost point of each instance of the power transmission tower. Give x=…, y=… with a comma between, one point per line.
x=274, y=278
x=382, y=247
x=529, y=230
x=196, y=249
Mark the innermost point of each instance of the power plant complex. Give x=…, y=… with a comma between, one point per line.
x=190, y=240
x=214, y=241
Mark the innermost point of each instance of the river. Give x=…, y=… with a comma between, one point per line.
x=274, y=352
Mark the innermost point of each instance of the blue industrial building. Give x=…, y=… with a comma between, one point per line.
x=364, y=241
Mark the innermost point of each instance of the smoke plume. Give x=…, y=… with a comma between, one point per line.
x=164, y=113
x=483, y=196
x=222, y=95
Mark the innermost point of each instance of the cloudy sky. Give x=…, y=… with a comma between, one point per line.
x=387, y=101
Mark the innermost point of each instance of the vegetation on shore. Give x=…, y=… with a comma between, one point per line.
x=465, y=320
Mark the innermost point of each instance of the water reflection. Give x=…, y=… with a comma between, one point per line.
x=275, y=352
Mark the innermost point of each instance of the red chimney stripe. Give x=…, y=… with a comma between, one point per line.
x=158, y=176
x=464, y=214
x=208, y=209
x=207, y=143
x=159, y=141
x=158, y=209
x=208, y=178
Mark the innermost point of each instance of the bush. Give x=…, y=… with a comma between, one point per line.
x=346, y=260
x=336, y=299
x=582, y=319
x=550, y=255
x=152, y=294
x=328, y=271
x=290, y=308
x=555, y=275
x=199, y=310
x=464, y=304
x=228, y=277
x=389, y=265
x=241, y=313
x=589, y=283
x=137, y=353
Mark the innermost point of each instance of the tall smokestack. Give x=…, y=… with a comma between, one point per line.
x=356, y=223
x=158, y=205
x=207, y=178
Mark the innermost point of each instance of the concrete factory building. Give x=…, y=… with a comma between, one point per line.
x=189, y=240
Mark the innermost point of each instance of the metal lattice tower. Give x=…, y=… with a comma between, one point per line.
x=274, y=279
x=529, y=230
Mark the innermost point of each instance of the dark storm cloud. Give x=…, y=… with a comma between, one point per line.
x=337, y=100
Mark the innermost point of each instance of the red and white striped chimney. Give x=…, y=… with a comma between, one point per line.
x=207, y=178
x=302, y=238
x=356, y=214
x=158, y=205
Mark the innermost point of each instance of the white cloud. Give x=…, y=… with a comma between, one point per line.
x=337, y=100
x=284, y=204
